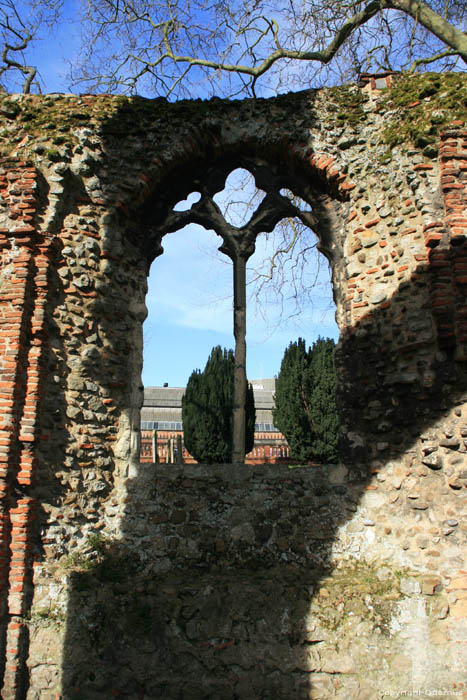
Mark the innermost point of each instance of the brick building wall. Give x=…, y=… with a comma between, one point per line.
x=161, y=426
x=269, y=448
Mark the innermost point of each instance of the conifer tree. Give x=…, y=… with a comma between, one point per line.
x=293, y=389
x=207, y=410
x=305, y=401
x=322, y=408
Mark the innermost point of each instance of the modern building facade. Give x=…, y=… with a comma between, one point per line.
x=162, y=427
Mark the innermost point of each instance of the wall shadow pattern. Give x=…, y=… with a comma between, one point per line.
x=222, y=605
x=212, y=597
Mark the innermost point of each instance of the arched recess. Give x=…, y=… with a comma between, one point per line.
x=361, y=246
x=402, y=381
x=319, y=185
x=379, y=395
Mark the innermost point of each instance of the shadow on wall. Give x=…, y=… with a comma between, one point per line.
x=48, y=371
x=217, y=587
x=205, y=606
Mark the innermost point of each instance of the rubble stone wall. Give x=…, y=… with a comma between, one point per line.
x=92, y=555
x=261, y=582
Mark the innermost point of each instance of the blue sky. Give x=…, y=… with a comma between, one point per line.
x=190, y=286
x=190, y=299
x=190, y=311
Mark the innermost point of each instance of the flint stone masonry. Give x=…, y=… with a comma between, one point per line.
x=220, y=572
x=231, y=582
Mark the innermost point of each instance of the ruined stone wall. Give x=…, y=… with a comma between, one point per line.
x=85, y=181
x=261, y=582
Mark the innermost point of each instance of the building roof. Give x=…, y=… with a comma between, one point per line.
x=167, y=396
x=163, y=404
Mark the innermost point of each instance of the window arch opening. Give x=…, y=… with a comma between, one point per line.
x=238, y=203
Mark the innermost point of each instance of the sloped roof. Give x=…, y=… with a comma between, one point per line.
x=164, y=403
x=163, y=396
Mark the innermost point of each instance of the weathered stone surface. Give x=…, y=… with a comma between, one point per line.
x=431, y=584
x=433, y=461
x=162, y=603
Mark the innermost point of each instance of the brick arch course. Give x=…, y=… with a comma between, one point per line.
x=78, y=226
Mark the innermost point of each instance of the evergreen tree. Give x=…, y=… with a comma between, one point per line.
x=293, y=387
x=305, y=401
x=322, y=407
x=250, y=419
x=207, y=410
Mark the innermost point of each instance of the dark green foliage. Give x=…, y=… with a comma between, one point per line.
x=293, y=387
x=250, y=419
x=305, y=410
x=323, y=409
x=207, y=410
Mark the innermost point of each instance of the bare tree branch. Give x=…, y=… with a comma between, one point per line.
x=430, y=59
x=434, y=22
x=167, y=46
x=18, y=32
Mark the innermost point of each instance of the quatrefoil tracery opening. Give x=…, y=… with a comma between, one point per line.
x=269, y=203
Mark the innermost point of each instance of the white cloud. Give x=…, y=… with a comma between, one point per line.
x=190, y=310
x=191, y=286
x=188, y=286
